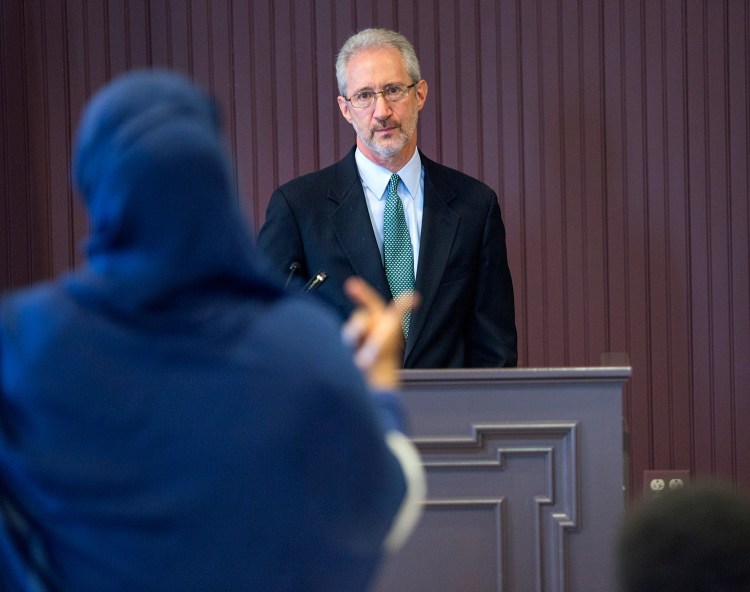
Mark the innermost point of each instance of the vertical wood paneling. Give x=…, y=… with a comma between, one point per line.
x=617, y=125
x=305, y=75
x=200, y=42
x=266, y=111
x=179, y=19
x=552, y=207
x=468, y=91
x=325, y=91
x=59, y=132
x=571, y=179
x=426, y=40
x=80, y=82
x=489, y=164
x=592, y=171
x=138, y=33
x=449, y=118
x=286, y=86
x=700, y=273
x=635, y=189
x=616, y=134
x=40, y=191
x=221, y=68
x=243, y=112
x=117, y=40
x=718, y=226
x=655, y=222
x=16, y=266
x=509, y=134
x=5, y=185
x=344, y=24
x=739, y=174
x=677, y=351
x=159, y=26
x=530, y=116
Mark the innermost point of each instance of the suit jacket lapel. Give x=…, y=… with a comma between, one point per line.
x=352, y=226
x=439, y=227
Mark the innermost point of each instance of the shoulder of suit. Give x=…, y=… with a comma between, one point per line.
x=460, y=182
x=321, y=178
x=315, y=178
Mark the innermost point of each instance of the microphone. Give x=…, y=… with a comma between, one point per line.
x=315, y=281
x=293, y=268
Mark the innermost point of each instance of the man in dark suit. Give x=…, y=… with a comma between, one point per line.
x=402, y=222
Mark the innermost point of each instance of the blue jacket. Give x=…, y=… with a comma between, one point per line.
x=170, y=419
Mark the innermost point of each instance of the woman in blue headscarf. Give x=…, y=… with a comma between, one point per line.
x=169, y=418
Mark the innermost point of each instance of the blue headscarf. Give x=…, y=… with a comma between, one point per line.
x=165, y=220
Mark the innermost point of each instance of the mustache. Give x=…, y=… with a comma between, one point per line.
x=384, y=124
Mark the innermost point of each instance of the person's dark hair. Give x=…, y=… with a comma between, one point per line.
x=375, y=38
x=696, y=539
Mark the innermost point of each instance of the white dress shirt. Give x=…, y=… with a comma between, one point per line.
x=375, y=181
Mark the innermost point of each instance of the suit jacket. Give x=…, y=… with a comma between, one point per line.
x=466, y=317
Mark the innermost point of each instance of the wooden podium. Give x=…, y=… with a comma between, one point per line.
x=525, y=475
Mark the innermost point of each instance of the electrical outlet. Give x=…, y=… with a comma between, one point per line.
x=657, y=481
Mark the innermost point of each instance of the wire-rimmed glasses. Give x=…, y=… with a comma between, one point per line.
x=391, y=93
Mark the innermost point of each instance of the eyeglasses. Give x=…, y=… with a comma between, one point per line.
x=391, y=93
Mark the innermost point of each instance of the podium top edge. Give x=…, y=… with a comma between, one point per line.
x=613, y=367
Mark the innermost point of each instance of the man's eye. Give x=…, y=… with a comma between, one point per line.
x=365, y=95
x=391, y=91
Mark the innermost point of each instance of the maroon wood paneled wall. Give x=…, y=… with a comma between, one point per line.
x=616, y=133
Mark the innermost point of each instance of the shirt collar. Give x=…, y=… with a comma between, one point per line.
x=376, y=177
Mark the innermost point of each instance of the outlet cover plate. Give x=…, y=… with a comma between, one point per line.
x=656, y=481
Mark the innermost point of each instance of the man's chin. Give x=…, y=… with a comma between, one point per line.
x=387, y=150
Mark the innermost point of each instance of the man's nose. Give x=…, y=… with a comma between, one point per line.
x=382, y=107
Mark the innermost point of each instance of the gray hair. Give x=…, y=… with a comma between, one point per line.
x=376, y=38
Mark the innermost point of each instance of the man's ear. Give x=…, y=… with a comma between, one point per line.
x=421, y=92
x=344, y=108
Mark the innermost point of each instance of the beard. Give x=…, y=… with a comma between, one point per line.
x=398, y=138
